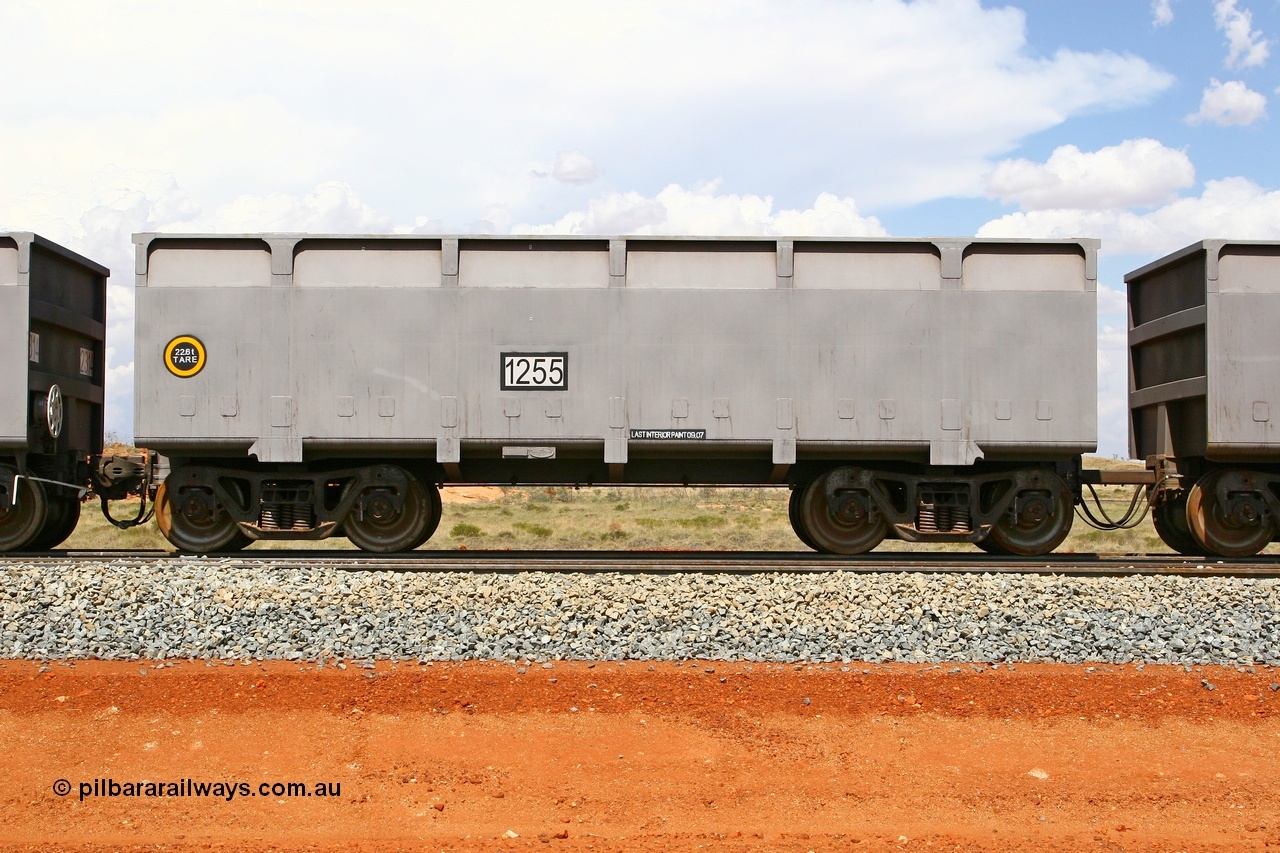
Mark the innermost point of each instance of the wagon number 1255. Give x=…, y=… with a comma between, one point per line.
x=535, y=371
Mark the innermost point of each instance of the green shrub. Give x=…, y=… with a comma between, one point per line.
x=552, y=493
x=702, y=522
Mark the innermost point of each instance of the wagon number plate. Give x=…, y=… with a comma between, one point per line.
x=535, y=371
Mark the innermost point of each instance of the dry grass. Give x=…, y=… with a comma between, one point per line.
x=696, y=519
x=616, y=518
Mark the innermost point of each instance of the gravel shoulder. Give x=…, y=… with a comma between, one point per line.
x=249, y=609
x=643, y=756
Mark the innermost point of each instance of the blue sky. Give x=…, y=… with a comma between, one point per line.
x=1147, y=124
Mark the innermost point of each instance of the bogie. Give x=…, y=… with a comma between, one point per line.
x=1018, y=511
x=380, y=507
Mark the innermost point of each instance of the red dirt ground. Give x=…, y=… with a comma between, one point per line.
x=699, y=756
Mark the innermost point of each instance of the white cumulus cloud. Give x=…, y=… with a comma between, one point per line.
x=1229, y=103
x=574, y=167
x=904, y=101
x=210, y=146
x=703, y=211
x=1137, y=172
x=1161, y=12
x=1246, y=47
x=1234, y=207
x=331, y=208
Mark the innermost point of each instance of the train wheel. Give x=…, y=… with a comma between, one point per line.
x=20, y=524
x=797, y=523
x=1169, y=517
x=436, y=509
x=64, y=515
x=381, y=529
x=1038, y=521
x=196, y=522
x=1241, y=533
x=854, y=526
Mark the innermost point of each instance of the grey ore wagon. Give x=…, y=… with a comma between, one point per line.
x=1204, y=401
x=52, y=327
x=307, y=385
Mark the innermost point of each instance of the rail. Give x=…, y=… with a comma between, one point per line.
x=665, y=562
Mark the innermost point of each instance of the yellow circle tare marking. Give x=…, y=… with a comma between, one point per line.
x=184, y=356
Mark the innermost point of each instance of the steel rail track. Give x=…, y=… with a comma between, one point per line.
x=662, y=562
